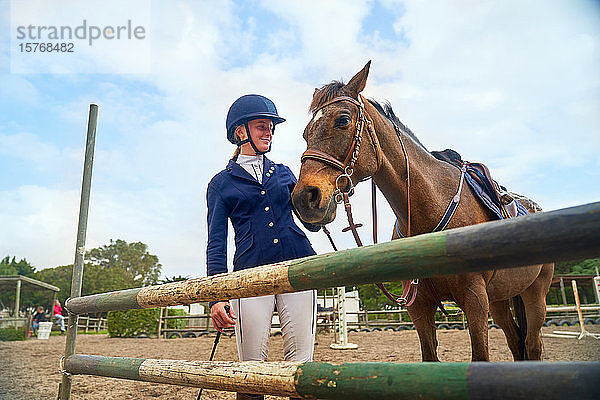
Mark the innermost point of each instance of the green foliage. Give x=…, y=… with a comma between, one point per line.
x=29, y=296
x=11, y=334
x=173, y=279
x=121, y=265
x=57, y=276
x=12, y=267
x=373, y=299
x=577, y=267
x=118, y=266
x=130, y=323
x=176, y=323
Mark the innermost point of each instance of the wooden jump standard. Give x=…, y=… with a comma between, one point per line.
x=478, y=380
x=566, y=234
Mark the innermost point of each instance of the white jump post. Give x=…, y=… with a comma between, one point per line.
x=341, y=323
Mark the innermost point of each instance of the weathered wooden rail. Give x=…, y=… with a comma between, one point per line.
x=571, y=233
x=559, y=235
x=523, y=380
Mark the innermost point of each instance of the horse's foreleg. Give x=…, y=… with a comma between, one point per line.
x=534, y=298
x=476, y=306
x=422, y=314
x=502, y=316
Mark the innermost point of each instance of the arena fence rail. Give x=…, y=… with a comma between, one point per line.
x=566, y=234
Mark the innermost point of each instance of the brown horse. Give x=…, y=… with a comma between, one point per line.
x=388, y=152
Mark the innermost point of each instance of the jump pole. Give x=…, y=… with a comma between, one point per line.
x=348, y=381
x=64, y=389
x=566, y=234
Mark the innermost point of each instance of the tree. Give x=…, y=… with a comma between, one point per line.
x=174, y=278
x=116, y=266
x=577, y=267
x=60, y=277
x=121, y=263
x=12, y=267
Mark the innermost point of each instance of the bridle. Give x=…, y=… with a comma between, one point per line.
x=346, y=167
x=342, y=194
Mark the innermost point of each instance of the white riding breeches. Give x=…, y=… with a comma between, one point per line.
x=297, y=316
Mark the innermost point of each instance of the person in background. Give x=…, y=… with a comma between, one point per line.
x=255, y=194
x=38, y=316
x=58, y=317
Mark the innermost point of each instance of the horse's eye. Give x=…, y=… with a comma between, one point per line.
x=342, y=121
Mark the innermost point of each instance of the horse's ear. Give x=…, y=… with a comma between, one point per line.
x=315, y=92
x=359, y=81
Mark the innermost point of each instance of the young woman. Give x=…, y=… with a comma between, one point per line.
x=254, y=193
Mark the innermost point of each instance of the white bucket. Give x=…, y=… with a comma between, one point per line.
x=44, y=330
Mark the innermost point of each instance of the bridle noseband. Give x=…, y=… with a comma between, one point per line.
x=346, y=167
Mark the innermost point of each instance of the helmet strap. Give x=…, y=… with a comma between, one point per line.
x=249, y=140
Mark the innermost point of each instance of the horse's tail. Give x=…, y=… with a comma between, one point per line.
x=519, y=308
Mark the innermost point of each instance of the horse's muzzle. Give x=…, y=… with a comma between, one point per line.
x=311, y=205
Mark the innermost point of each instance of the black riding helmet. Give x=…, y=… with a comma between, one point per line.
x=248, y=108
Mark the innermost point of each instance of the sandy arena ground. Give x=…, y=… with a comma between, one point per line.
x=29, y=370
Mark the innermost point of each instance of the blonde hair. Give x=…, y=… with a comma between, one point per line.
x=236, y=153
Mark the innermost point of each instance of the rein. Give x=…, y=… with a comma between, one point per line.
x=342, y=194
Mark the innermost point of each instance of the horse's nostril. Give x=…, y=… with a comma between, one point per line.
x=314, y=196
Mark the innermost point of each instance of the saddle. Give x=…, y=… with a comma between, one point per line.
x=493, y=195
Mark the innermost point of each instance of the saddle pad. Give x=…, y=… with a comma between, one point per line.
x=487, y=201
x=483, y=185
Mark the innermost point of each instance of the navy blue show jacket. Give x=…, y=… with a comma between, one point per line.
x=261, y=215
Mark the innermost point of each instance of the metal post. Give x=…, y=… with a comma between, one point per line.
x=160, y=320
x=65, y=386
x=18, y=298
x=51, y=309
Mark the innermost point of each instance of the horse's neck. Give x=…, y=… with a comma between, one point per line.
x=432, y=182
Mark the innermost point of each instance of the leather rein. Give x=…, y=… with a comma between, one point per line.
x=342, y=193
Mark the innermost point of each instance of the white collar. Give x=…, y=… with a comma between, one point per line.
x=252, y=160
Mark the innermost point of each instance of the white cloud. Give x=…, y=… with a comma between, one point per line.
x=511, y=84
x=39, y=224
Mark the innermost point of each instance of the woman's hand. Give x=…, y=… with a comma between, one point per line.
x=221, y=317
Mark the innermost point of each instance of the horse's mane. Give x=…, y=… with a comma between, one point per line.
x=386, y=111
x=326, y=93
x=336, y=88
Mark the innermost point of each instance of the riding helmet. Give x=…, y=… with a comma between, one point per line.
x=247, y=108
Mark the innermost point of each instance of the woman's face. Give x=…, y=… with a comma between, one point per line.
x=261, y=131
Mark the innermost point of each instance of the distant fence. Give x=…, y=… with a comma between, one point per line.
x=85, y=323
x=366, y=322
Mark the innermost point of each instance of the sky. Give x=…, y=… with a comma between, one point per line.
x=513, y=84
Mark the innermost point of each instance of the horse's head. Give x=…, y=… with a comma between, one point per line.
x=332, y=163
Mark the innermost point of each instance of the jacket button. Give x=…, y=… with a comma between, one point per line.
x=268, y=174
x=275, y=240
x=267, y=208
x=263, y=192
x=271, y=224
